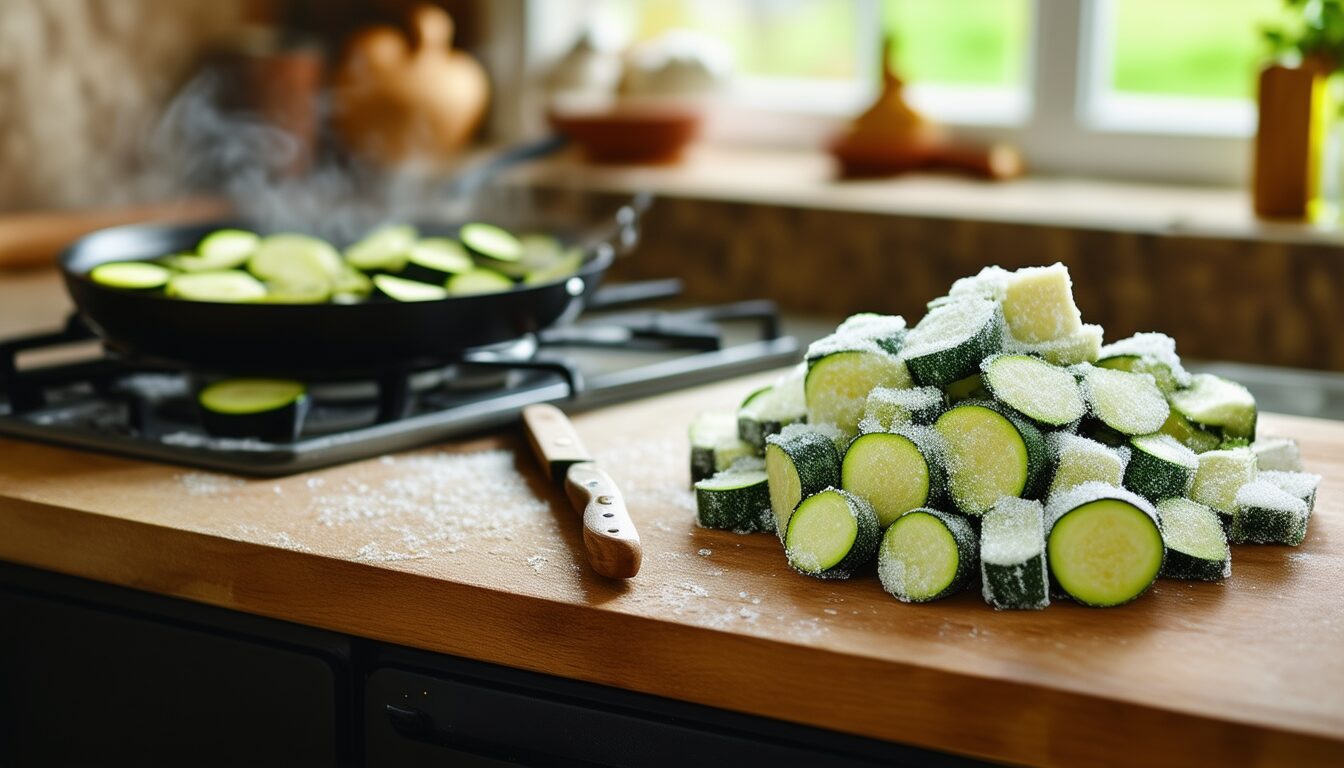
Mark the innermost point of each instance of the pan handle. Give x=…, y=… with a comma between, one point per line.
x=472, y=179
x=621, y=232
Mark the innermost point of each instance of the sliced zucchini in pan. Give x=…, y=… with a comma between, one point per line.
x=567, y=265
x=383, y=250
x=268, y=409
x=478, y=281
x=222, y=249
x=401, y=289
x=293, y=259
x=227, y=287
x=436, y=259
x=131, y=275
x=490, y=242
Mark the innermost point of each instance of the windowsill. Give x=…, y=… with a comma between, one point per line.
x=804, y=179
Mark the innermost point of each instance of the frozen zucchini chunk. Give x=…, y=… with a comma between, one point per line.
x=1081, y=346
x=737, y=499
x=1213, y=401
x=991, y=453
x=1266, y=514
x=1012, y=555
x=1196, y=542
x=888, y=408
x=1079, y=460
x=831, y=534
x=845, y=366
x=1038, y=304
x=1150, y=353
x=896, y=471
x=1160, y=467
x=769, y=409
x=1045, y=393
x=715, y=444
x=951, y=340
x=1129, y=403
x=926, y=555
x=1277, y=453
x=1219, y=476
x=800, y=461
x=1303, y=485
x=1103, y=544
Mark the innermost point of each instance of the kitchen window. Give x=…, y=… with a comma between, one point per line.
x=1127, y=88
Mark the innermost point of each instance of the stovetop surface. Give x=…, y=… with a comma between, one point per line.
x=611, y=354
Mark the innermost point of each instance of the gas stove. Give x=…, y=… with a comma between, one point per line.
x=616, y=351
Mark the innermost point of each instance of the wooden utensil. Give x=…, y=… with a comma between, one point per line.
x=609, y=534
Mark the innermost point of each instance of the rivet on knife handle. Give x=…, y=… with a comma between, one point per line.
x=609, y=534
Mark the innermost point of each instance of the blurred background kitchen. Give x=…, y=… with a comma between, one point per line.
x=1184, y=159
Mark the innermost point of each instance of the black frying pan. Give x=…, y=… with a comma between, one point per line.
x=319, y=340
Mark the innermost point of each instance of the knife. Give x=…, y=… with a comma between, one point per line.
x=609, y=534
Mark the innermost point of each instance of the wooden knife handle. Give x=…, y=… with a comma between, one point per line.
x=609, y=534
x=553, y=439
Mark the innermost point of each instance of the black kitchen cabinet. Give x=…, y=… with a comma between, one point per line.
x=98, y=675
x=95, y=676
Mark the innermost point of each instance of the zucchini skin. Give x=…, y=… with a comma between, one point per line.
x=702, y=463
x=968, y=552
x=960, y=361
x=755, y=431
x=815, y=459
x=1178, y=565
x=743, y=510
x=865, y=540
x=1017, y=587
x=1156, y=479
x=281, y=425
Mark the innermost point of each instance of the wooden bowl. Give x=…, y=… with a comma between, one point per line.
x=633, y=135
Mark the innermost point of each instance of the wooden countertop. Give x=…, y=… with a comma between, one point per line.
x=463, y=549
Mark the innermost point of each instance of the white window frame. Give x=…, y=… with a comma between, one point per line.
x=1067, y=122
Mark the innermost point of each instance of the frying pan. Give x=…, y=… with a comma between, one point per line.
x=321, y=340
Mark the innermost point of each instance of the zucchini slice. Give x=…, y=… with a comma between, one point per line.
x=1277, y=453
x=952, y=339
x=293, y=259
x=1220, y=475
x=350, y=282
x=1081, y=346
x=436, y=259
x=1303, y=485
x=383, y=250
x=845, y=366
x=926, y=555
x=1217, y=402
x=990, y=282
x=1150, y=353
x=1079, y=460
x=715, y=444
x=1129, y=403
x=1103, y=545
x=318, y=293
x=831, y=534
x=800, y=461
x=1038, y=304
x=1044, y=393
x=895, y=472
x=735, y=500
x=227, y=287
x=1267, y=514
x=769, y=409
x=888, y=408
x=131, y=275
x=1191, y=436
x=227, y=248
x=401, y=289
x=1013, y=573
x=1160, y=467
x=478, y=280
x=268, y=409
x=567, y=265
x=490, y=242
x=991, y=454
x=1196, y=543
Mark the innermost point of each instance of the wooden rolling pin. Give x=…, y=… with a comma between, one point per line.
x=35, y=238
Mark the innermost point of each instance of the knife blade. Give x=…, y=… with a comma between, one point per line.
x=609, y=535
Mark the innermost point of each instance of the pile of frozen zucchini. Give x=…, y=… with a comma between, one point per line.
x=1000, y=440
x=393, y=262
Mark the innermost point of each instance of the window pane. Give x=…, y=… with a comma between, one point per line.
x=979, y=43
x=771, y=38
x=1200, y=48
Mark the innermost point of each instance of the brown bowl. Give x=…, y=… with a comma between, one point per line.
x=641, y=135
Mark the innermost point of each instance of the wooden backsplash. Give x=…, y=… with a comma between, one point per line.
x=1273, y=303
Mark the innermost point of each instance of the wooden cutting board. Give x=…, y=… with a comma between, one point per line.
x=464, y=549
